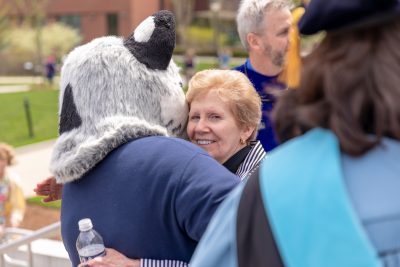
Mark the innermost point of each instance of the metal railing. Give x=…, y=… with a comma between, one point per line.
x=24, y=237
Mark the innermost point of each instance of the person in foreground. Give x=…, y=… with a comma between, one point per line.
x=224, y=113
x=338, y=203
x=148, y=194
x=220, y=102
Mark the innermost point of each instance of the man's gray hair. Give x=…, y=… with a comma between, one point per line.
x=251, y=14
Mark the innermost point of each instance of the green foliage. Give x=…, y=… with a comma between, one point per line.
x=21, y=43
x=239, y=52
x=13, y=123
x=206, y=65
x=57, y=39
x=203, y=37
x=200, y=65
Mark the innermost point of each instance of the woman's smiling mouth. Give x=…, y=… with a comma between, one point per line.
x=204, y=142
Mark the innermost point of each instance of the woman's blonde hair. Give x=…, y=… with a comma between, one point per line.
x=7, y=153
x=234, y=88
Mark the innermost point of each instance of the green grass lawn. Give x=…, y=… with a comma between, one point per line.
x=13, y=122
x=37, y=200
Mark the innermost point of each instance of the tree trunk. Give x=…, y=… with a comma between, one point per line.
x=35, y=15
x=183, y=11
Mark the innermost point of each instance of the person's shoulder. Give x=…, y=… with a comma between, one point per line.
x=240, y=67
x=174, y=146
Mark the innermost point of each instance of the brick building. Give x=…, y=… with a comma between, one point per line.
x=94, y=18
x=101, y=17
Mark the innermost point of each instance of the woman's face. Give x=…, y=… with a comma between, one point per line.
x=213, y=127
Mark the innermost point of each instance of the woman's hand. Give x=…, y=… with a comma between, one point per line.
x=112, y=259
x=50, y=189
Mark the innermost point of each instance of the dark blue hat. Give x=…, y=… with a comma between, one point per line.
x=338, y=14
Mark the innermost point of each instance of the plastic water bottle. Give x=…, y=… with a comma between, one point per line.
x=89, y=243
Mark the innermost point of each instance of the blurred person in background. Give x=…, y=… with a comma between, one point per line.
x=224, y=58
x=263, y=27
x=189, y=63
x=338, y=203
x=50, y=69
x=12, y=201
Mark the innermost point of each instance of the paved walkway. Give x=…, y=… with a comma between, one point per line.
x=12, y=84
x=21, y=79
x=33, y=164
x=13, y=88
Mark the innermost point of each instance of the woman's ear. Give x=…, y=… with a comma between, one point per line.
x=247, y=131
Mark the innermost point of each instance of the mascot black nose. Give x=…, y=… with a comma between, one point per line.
x=153, y=41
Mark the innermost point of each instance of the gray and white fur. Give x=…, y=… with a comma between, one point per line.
x=114, y=90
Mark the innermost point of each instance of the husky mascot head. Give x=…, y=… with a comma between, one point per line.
x=114, y=90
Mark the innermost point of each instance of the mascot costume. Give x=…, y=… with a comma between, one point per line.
x=149, y=194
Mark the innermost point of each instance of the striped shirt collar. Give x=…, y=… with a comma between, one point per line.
x=252, y=160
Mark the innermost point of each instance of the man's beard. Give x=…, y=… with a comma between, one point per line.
x=277, y=58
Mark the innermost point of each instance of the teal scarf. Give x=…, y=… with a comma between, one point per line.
x=308, y=207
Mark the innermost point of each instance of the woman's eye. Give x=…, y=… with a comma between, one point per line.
x=215, y=117
x=194, y=118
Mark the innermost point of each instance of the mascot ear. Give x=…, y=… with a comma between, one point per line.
x=153, y=41
x=69, y=117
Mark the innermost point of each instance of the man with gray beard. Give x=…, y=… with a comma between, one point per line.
x=263, y=27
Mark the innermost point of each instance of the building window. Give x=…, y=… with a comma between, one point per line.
x=73, y=21
x=112, y=24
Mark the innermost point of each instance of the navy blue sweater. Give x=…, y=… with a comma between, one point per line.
x=150, y=198
x=261, y=82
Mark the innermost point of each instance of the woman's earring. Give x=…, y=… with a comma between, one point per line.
x=242, y=142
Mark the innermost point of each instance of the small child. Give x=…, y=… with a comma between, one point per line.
x=12, y=201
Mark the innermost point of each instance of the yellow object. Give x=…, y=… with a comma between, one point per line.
x=292, y=70
x=15, y=205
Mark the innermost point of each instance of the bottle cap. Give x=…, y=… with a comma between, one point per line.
x=85, y=224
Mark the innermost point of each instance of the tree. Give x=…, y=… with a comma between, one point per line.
x=57, y=39
x=34, y=12
x=183, y=10
x=3, y=25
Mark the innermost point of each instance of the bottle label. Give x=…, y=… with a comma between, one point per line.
x=92, y=251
